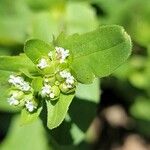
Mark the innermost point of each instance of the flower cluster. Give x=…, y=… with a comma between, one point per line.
x=69, y=79
x=63, y=80
x=62, y=54
x=47, y=91
x=59, y=54
x=21, y=93
x=56, y=79
x=19, y=83
x=42, y=63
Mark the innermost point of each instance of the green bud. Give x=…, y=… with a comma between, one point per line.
x=56, y=90
x=16, y=94
x=71, y=90
x=57, y=83
x=28, y=96
x=52, y=55
x=59, y=78
x=63, y=87
x=22, y=102
x=50, y=80
x=35, y=102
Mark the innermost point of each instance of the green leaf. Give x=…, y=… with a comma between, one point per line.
x=73, y=134
x=27, y=137
x=35, y=49
x=82, y=146
x=16, y=63
x=27, y=117
x=57, y=110
x=90, y=92
x=5, y=51
x=27, y=73
x=72, y=127
x=97, y=53
x=37, y=84
x=82, y=113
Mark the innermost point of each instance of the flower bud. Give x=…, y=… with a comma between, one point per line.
x=46, y=66
x=65, y=89
x=31, y=105
x=59, y=78
x=56, y=90
x=54, y=95
x=57, y=83
x=16, y=94
x=22, y=103
x=50, y=80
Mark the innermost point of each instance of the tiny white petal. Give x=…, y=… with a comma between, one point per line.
x=25, y=86
x=30, y=106
x=68, y=75
x=42, y=63
x=46, y=89
x=13, y=101
x=63, y=74
x=19, y=82
x=62, y=54
x=70, y=80
x=15, y=80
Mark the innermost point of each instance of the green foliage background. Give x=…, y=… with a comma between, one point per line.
x=45, y=19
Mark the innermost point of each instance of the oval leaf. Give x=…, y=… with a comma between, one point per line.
x=35, y=49
x=97, y=53
x=57, y=111
x=27, y=117
x=16, y=63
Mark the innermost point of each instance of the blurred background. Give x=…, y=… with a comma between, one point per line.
x=115, y=109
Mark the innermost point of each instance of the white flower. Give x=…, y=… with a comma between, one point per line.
x=46, y=90
x=64, y=74
x=25, y=86
x=13, y=101
x=15, y=80
x=62, y=54
x=30, y=106
x=42, y=63
x=19, y=82
x=70, y=80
